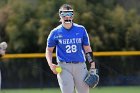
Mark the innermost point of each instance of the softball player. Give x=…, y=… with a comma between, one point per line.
x=3, y=46
x=72, y=44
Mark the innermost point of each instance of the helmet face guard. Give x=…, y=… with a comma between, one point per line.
x=64, y=13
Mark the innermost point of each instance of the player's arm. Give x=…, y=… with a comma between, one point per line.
x=89, y=55
x=92, y=78
x=2, y=52
x=0, y=55
x=49, y=56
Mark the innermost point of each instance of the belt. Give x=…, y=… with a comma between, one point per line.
x=72, y=62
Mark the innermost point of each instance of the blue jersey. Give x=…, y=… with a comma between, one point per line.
x=69, y=43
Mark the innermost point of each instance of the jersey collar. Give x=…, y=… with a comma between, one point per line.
x=66, y=28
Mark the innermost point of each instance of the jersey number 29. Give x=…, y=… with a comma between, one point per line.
x=71, y=48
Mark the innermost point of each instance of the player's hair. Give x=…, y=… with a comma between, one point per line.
x=66, y=6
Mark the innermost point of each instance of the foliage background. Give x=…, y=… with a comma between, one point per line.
x=112, y=26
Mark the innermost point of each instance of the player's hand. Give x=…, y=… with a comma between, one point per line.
x=2, y=52
x=53, y=67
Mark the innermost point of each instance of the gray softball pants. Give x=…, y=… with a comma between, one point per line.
x=71, y=78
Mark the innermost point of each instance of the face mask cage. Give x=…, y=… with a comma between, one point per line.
x=64, y=14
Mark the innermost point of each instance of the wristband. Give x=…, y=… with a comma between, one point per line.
x=89, y=56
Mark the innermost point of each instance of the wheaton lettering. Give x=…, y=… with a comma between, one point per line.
x=70, y=41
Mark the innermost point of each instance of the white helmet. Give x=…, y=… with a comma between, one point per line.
x=3, y=45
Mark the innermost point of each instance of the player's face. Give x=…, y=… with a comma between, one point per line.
x=66, y=16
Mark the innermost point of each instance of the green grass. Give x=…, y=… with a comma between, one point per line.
x=95, y=90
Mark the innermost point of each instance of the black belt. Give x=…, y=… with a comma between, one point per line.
x=73, y=62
